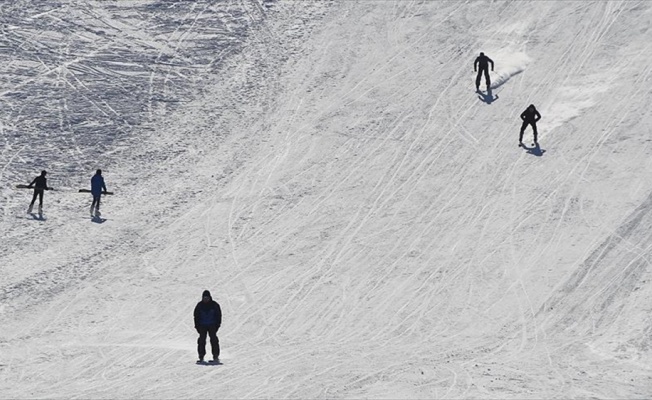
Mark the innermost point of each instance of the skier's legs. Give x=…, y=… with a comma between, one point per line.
x=215, y=342
x=201, y=342
x=31, y=204
x=40, y=198
x=96, y=202
x=477, y=79
x=487, y=78
x=523, y=126
x=534, y=131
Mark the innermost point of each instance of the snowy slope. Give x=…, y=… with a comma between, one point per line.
x=366, y=221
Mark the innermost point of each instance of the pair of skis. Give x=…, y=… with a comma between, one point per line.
x=51, y=188
x=209, y=362
x=94, y=213
x=32, y=187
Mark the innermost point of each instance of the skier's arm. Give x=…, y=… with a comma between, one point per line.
x=32, y=184
x=218, y=317
x=537, y=116
x=196, y=316
x=475, y=64
x=492, y=63
x=523, y=115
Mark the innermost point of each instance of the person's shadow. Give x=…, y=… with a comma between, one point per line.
x=535, y=150
x=38, y=217
x=97, y=219
x=487, y=97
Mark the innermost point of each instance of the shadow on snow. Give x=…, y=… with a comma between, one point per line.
x=535, y=150
x=488, y=97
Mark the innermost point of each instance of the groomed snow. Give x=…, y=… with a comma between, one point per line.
x=366, y=221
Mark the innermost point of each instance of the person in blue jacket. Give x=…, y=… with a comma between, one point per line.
x=208, y=318
x=97, y=186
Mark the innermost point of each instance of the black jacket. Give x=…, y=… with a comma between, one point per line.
x=530, y=115
x=208, y=315
x=40, y=182
x=483, y=63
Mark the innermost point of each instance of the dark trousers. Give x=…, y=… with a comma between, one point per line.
x=201, y=341
x=37, y=193
x=534, y=130
x=96, y=202
x=479, y=77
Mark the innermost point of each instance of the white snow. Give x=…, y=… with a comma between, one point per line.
x=366, y=221
x=514, y=63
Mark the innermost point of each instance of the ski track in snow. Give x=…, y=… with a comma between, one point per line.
x=368, y=225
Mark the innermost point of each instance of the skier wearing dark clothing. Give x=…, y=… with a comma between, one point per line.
x=483, y=62
x=97, y=186
x=530, y=117
x=40, y=184
x=208, y=318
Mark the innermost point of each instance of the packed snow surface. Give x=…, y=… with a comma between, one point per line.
x=366, y=221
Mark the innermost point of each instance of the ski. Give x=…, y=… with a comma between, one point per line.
x=89, y=191
x=32, y=187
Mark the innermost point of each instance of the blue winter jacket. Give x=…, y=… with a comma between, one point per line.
x=97, y=185
x=209, y=314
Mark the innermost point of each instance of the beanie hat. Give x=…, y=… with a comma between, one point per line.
x=207, y=293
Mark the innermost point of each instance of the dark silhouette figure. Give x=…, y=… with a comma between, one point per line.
x=208, y=319
x=40, y=184
x=530, y=117
x=483, y=63
x=97, y=186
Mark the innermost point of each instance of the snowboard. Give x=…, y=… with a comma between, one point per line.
x=28, y=187
x=88, y=191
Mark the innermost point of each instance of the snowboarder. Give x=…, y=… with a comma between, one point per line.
x=97, y=186
x=208, y=318
x=40, y=184
x=483, y=62
x=530, y=117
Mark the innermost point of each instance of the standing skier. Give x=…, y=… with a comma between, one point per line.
x=97, y=186
x=208, y=318
x=530, y=117
x=483, y=62
x=40, y=184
